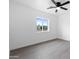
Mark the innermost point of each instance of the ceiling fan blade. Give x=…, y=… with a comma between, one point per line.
x=54, y=2
x=65, y=3
x=63, y=8
x=51, y=7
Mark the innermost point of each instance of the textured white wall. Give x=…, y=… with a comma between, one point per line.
x=23, y=27
x=63, y=27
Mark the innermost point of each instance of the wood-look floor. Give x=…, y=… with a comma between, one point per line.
x=54, y=49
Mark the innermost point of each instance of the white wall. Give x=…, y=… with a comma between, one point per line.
x=23, y=27
x=41, y=5
x=63, y=27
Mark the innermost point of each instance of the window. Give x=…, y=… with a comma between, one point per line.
x=42, y=24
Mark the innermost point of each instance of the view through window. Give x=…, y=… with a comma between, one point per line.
x=42, y=24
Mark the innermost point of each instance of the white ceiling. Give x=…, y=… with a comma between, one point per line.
x=42, y=5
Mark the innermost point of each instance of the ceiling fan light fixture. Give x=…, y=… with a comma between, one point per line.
x=58, y=8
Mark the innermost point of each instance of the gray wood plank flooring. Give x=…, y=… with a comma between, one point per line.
x=54, y=49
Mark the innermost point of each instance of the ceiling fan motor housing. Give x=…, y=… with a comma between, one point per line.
x=58, y=4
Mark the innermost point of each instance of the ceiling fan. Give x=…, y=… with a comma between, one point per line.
x=58, y=5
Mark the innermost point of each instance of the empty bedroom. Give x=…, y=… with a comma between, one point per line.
x=39, y=29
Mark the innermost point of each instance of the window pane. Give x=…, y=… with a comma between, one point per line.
x=39, y=24
x=45, y=25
